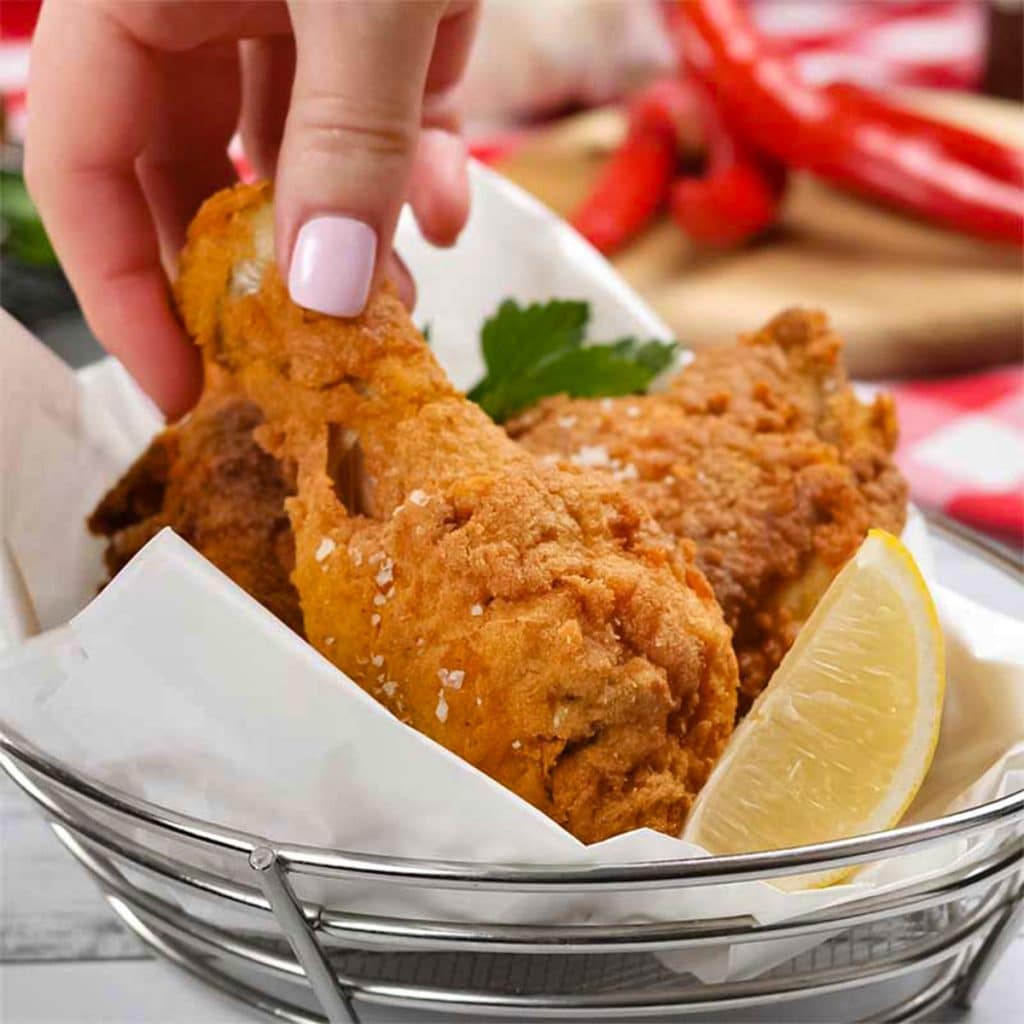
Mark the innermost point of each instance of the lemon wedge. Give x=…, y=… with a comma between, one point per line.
x=839, y=742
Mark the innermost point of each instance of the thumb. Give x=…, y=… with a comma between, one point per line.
x=349, y=142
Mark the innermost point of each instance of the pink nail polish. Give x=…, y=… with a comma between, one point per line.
x=332, y=265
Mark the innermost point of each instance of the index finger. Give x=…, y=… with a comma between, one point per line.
x=86, y=130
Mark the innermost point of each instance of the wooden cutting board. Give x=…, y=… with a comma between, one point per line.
x=910, y=299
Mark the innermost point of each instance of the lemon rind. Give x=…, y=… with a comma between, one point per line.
x=903, y=573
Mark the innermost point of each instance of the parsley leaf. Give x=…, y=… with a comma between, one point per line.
x=516, y=338
x=653, y=356
x=539, y=350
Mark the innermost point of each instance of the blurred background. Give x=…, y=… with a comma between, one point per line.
x=557, y=96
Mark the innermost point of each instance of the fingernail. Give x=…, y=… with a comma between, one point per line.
x=332, y=265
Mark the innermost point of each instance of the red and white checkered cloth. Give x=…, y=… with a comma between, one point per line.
x=962, y=438
x=880, y=43
x=962, y=448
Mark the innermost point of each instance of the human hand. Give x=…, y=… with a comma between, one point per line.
x=345, y=103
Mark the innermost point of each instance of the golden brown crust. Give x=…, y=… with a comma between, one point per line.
x=532, y=619
x=209, y=481
x=762, y=457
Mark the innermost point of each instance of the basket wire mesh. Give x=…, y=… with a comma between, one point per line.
x=322, y=962
x=222, y=905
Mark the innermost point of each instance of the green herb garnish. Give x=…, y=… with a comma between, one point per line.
x=22, y=235
x=539, y=350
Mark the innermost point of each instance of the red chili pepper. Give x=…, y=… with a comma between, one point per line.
x=634, y=184
x=1003, y=162
x=868, y=146
x=672, y=105
x=737, y=197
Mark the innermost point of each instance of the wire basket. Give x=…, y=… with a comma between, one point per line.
x=233, y=909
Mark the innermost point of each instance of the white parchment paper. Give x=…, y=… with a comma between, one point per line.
x=174, y=685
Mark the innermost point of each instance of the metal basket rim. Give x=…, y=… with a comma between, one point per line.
x=468, y=874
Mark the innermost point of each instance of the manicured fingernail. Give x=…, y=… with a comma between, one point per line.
x=332, y=265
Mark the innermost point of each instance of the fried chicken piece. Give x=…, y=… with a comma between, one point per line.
x=762, y=457
x=534, y=620
x=209, y=481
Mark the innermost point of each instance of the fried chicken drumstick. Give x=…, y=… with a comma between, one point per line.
x=533, y=619
x=758, y=456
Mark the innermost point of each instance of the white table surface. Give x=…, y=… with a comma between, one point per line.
x=64, y=958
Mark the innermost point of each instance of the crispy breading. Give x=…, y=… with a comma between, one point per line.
x=533, y=619
x=760, y=459
x=209, y=481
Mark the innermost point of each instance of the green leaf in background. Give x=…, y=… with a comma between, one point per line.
x=22, y=235
x=537, y=351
